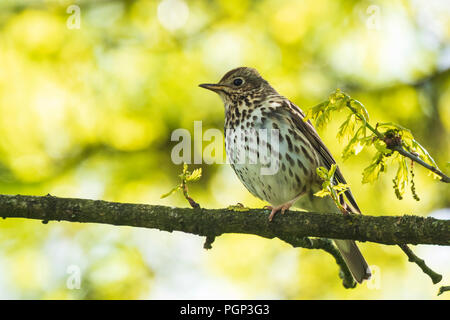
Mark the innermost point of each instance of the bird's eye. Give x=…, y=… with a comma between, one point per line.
x=238, y=81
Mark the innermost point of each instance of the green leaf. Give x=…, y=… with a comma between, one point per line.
x=347, y=128
x=184, y=172
x=341, y=187
x=372, y=172
x=353, y=147
x=331, y=172
x=360, y=109
x=392, y=125
x=171, y=191
x=381, y=147
x=322, y=193
x=313, y=112
x=322, y=118
x=424, y=153
x=322, y=173
x=194, y=176
x=337, y=99
x=401, y=178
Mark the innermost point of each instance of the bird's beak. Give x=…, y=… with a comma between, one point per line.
x=213, y=86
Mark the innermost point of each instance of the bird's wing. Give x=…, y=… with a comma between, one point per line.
x=313, y=137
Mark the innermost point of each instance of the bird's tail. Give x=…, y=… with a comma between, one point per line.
x=348, y=248
x=354, y=259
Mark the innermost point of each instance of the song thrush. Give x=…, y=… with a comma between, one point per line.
x=252, y=106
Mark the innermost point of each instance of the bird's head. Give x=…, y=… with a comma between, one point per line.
x=238, y=84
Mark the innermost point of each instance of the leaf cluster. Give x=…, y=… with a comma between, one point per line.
x=329, y=185
x=384, y=138
x=186, y=176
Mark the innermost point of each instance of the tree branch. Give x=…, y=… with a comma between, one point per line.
x=435, y=277
x=292, y=227
x=405, y=153
x=399, y=148
x=388, y=230
x=443, y=289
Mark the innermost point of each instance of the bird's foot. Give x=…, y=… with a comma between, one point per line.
x=282, y=208
x=345, y=211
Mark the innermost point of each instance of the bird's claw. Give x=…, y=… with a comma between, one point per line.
x=282, y=208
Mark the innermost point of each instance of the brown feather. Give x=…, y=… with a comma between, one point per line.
x=313, y=137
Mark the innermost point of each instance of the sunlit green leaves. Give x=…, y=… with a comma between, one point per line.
x=329, y=188
x=359, y=109
x=325, y=174
x=353, y=128
x=356, y=144
x=384, y=137
x=185, y=176
x=175, y=189
x=319, y=114
x=401, y=178
x=408, y=142
x=371, y=173
x=423, y=154
x=194, y=176
x=348, y=127
x=322, y=112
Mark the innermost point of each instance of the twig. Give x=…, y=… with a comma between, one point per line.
x=443, y=289
x=390, y=230
x=435, y=277
x=399, y=148
x=403, y=152
x=191, y=201
x=208, y=242
x=293, y=227
x=327, y=245
x=186, y=176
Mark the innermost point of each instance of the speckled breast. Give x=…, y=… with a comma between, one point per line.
x=267, y=152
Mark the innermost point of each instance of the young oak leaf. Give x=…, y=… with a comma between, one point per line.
x=425, y=156
x=360, y=109
x=353, y=147
x=341, y=188
x=185, y=177
x=389, y=139
x=331, y=172
x=194, y=176
x=347, y=128
x=322, y=193
x=401, y=178
x=372, y=172
x=175, y=189
x=322, y=173
x=328, y=187
x=315, y=111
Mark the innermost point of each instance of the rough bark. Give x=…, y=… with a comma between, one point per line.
x=291, y=227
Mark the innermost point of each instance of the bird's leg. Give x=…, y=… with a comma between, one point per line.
x=346, y=211
x=282, y=208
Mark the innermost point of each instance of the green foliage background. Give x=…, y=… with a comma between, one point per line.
x=89, y=113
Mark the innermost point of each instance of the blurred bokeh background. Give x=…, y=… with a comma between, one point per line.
x=90, y=92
